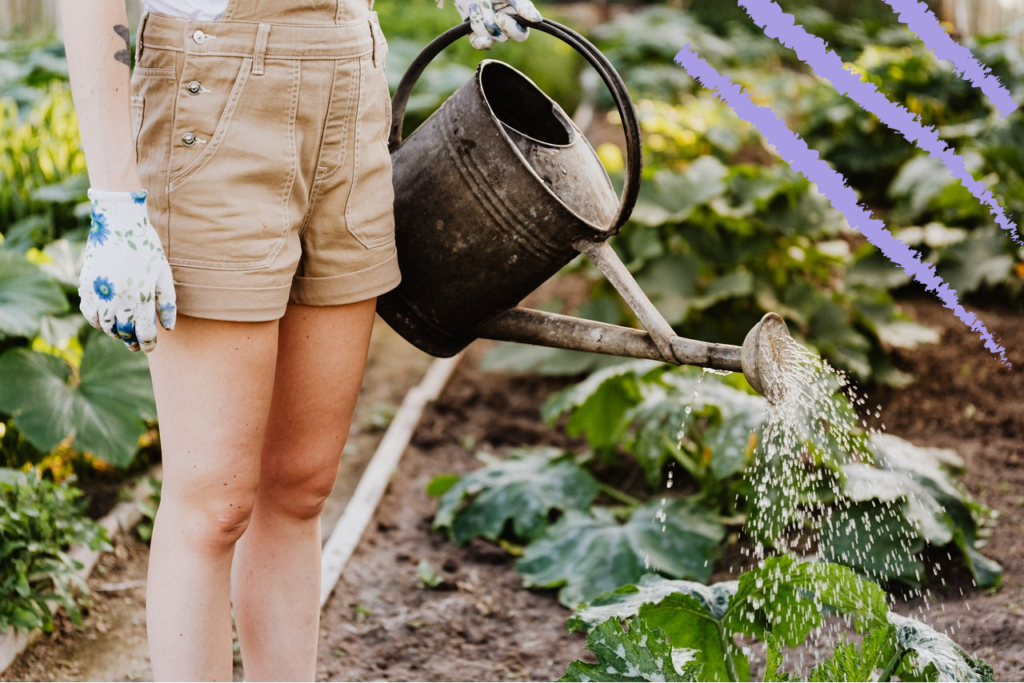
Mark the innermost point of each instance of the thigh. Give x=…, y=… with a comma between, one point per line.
x=213, y=381
x=320, y=363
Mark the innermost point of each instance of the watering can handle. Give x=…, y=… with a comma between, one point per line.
x=630, y=125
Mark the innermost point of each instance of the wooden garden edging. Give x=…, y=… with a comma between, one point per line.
x=360, y=508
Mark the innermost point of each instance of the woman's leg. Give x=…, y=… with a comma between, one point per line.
x=213, y=381
x=276, y=575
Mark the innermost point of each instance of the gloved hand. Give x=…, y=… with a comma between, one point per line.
x=492, y=22
x=126, y=282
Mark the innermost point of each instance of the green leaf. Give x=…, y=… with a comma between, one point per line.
x=524, y=489
x=586, y=555
x=26, y=295
x=847, y=664
x=427, y=576
x=104, y=407
x=668, y=197
x=441, y=483
x=931, y=655
x=877, y=540
x=787, y=598
x=61, y=260
x=865, y=482
x=987, y=573
x=637, y=654
x=600, y=404
x=671, y=284
x=980, y=260
x=625, y=602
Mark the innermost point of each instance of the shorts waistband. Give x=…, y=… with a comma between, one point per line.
x=250, y=38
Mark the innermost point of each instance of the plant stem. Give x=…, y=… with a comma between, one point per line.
x=890, y=668
x=620, y=496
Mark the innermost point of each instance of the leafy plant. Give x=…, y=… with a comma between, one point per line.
x=587, y=553
x=39, y=521
x=654, y=415
x=104, y=402
x=524, y=490
x=782, y=602
x=632, y=653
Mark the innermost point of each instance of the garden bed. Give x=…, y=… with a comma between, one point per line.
x=381, y=623
x=480, y=624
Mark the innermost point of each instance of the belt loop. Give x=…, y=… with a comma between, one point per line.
x=261, y=49
x=138, y=37
x=373, y=37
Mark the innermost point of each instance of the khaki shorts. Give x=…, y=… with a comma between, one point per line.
x=264, y=151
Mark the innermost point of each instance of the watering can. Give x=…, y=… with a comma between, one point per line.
x=496, y=192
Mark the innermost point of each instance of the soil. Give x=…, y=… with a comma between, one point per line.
x=381, y=623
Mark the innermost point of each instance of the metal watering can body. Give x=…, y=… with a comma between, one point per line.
x=496, y=192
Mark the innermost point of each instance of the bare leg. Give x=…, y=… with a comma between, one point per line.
x=276, y=575
x=213, y=381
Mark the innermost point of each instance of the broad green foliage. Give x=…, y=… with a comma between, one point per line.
x=39, y=521
x=637, y=654
x=586, y=554
x=783, y=599
x=711, y=427
x=523, y=489
x=930, y=655
x=781, y=603
x=43, y=169
x=27, y=294
x=103, y=402
x=931, y=507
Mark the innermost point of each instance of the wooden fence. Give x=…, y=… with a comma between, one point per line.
x=972, y=17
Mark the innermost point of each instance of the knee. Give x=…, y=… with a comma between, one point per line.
x=299, y=495
x=212, y=522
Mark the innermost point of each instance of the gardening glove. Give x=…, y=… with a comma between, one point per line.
x=492, y=22
x=126, y=283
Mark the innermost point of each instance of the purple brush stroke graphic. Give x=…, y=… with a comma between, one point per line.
x=833, y=185
x=813, y=51
x=925, y=25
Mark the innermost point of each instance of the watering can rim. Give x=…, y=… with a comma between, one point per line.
x=603, y=231
x=574, y=132
x=600, y=63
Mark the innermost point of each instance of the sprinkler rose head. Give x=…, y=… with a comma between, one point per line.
x=764, y=355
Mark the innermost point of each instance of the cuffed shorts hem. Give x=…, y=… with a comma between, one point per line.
x=347, y=288
x=231, y=303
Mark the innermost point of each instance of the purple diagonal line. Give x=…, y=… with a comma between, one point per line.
x=833, y=185
x=827, y=63
x=920, y=20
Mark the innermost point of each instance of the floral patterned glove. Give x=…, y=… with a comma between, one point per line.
x=492, y=22
x=126, y=282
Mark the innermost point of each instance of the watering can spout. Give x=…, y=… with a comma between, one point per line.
x=761, y=359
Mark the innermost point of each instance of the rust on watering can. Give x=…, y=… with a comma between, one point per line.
x=496, y=192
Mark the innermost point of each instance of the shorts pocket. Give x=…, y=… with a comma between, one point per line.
x=369, y=213
x=230, y=202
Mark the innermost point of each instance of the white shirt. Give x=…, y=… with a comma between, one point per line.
x=203, y=10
